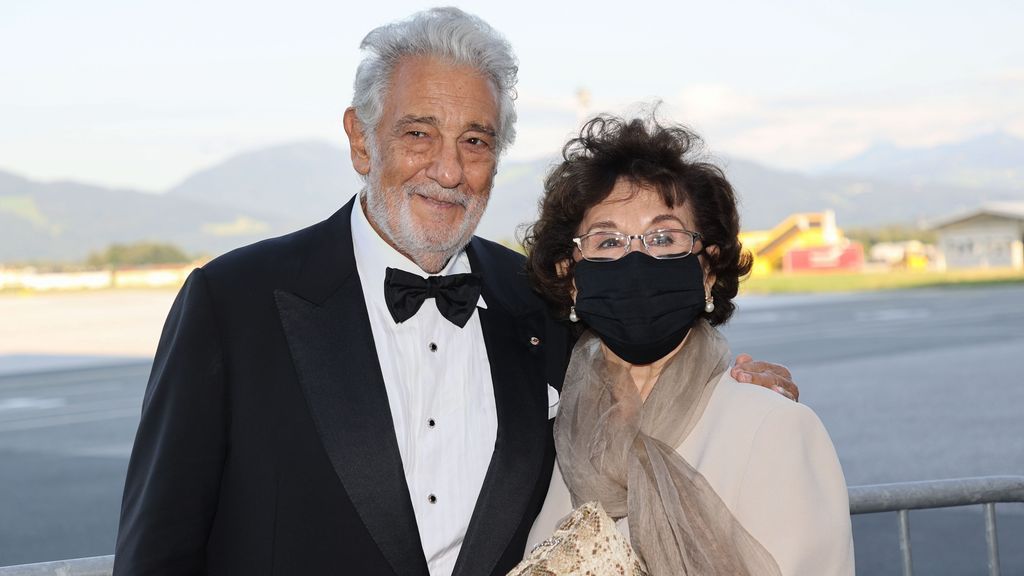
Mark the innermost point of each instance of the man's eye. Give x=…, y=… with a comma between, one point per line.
x=416, y=133
x=477, y=142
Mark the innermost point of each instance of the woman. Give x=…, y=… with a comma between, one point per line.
x=637, y=241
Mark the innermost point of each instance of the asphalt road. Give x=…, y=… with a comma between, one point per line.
x=912, y=385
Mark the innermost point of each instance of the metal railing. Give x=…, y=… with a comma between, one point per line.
x=97, y=566
x=906, y=496
x=900, y=498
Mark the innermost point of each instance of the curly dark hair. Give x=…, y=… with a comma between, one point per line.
x=666, y=157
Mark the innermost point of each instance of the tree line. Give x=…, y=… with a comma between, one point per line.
x=137, y=254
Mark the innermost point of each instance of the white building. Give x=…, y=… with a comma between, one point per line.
x=991, y=236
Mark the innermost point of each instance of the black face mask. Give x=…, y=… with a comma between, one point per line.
x=640, y=306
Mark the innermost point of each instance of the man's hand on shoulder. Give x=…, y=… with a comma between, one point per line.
x=772, y=376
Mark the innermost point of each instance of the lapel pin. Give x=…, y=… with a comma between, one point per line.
x=534, y=340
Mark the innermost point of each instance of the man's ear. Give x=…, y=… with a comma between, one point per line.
x=357, y=142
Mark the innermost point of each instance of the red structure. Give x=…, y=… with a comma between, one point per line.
x=849, y=258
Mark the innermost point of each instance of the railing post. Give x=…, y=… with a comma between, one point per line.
x=992, y=539
x=903, y=517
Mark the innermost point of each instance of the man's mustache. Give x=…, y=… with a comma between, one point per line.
x=435, y=191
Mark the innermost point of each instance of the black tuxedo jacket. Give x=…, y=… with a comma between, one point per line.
x=266, y=444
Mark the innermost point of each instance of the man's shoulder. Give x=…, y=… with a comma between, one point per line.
x=505, y=258
x=280, y=259
x=265, y=255
x=504, y=274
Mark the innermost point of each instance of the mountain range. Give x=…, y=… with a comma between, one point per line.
x=267, y=192
x=994, y=160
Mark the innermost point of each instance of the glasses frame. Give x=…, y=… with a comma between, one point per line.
x=694, y=237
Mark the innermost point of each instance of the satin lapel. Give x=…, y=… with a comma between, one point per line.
x=521, y=400
x=336, y=362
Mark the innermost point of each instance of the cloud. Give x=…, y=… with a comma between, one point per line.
x=715, y=104
x=812, y=130
x=801, y=131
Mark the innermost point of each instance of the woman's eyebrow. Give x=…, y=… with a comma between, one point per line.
x=603, y=224
x=665, y=218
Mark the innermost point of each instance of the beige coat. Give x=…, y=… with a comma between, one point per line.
x=773, y=464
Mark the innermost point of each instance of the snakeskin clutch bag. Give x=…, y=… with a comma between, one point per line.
x=585, y=544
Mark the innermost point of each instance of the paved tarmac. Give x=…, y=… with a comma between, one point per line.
x=912, y=385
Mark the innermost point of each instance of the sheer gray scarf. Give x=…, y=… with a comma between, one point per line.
x=621, y=451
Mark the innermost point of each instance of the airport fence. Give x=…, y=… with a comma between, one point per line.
x=903, y=497
x=900, y=498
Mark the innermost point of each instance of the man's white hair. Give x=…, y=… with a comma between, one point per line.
x=445, y=33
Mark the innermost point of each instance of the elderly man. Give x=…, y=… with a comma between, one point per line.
x=308, y=412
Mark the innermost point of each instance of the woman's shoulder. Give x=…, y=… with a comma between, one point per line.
x=750, y=407
x=739, y=420
x=773, y=464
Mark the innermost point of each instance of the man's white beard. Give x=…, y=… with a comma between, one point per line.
x=430, y=249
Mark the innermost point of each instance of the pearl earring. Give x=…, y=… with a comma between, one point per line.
x=572, y=314
x=709, y=304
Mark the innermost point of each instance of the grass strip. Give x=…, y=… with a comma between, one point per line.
x=867, y=281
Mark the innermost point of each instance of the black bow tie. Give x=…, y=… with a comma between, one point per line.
x=456, y=295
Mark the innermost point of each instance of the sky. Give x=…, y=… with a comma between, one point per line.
x=141, y=94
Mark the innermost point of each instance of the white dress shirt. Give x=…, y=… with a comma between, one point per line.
x=439, y=387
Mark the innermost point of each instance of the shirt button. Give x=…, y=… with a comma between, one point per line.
x=432, y=499
x=432, y=347
x=431, y=422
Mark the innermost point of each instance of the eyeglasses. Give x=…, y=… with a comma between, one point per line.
x=664, y=244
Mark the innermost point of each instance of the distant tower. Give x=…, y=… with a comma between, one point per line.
x=582, y=104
